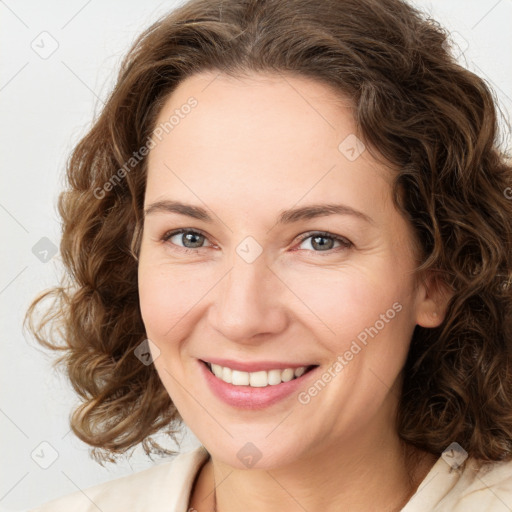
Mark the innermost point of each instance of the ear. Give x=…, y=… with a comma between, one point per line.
x=433, y=296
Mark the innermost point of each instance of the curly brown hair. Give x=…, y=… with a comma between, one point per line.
x=428, y=117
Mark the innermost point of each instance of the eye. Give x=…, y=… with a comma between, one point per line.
x=324, y=242
x=191, y=239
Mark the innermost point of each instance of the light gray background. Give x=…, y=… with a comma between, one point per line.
x=47, y=103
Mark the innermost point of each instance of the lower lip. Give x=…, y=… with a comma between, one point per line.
x=247, y=397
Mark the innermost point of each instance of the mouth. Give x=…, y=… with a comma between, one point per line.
x=258, y=379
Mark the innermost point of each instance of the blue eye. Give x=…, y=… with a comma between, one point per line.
x=188, y=236
x=318, y=240
x=321, y=241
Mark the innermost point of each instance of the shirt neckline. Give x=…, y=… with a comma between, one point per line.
x=434, y=486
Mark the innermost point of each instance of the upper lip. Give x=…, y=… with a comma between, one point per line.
x=254, y=366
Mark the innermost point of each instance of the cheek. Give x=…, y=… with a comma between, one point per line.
x=173, y=298
x=347, y=302
x=165, y=297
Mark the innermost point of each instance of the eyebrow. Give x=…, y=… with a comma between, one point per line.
x=285, y=217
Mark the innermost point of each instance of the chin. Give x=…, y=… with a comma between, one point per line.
x=264, y=454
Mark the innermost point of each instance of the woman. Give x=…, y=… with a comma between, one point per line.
x=289, y=230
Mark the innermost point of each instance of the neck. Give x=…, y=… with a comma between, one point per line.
x=370, y=473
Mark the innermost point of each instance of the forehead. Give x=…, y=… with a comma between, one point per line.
x=268, y=109
x=271, y=137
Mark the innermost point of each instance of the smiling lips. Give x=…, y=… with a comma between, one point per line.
x=250, y=385
x=258, y=379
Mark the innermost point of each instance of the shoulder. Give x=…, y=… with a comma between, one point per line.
x=472, y=487
x=481, y=487
x=166, y=486
x=485, y=487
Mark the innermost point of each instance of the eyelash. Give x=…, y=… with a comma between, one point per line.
x=345, y=243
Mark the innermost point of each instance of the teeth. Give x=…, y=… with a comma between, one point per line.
x=299, y=371
x=239, y=378
x=274, y=377
x=226, y=374
x=259, y=379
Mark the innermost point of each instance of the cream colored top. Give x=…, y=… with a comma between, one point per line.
x=166, y=487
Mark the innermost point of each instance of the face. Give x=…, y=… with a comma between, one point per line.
x=253, y=279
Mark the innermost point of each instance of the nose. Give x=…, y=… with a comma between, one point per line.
x=247, y=303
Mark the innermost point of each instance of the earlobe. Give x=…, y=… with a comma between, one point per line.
x=434, y=296
x=432, y=319
x=429, y=316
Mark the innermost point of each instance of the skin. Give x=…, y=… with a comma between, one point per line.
x=250, y=149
